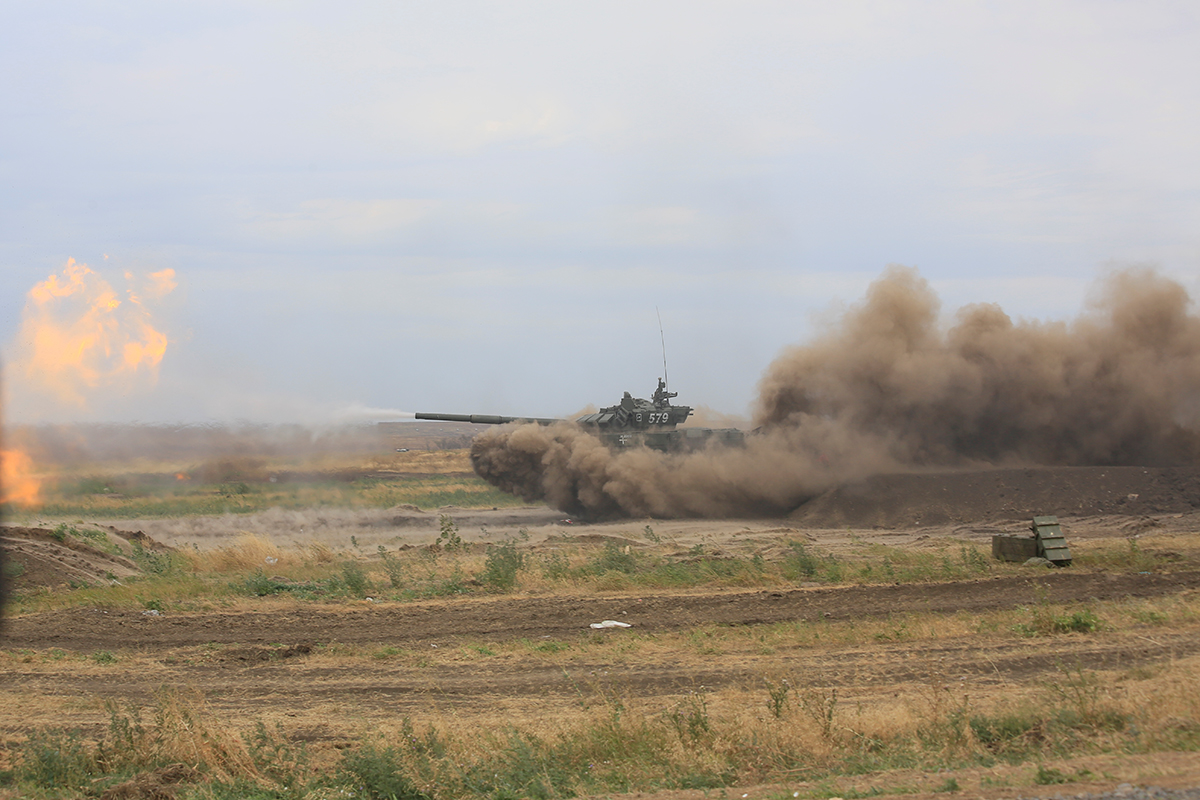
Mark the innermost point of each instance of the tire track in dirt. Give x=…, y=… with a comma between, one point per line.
x=508, y=618
x=328, y=698
x=303, y=687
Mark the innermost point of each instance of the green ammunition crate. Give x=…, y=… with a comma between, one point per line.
x=1014, y=548
x=1052, y=545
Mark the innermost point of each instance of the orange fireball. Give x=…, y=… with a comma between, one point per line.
x=20, y=485
x=78, y=333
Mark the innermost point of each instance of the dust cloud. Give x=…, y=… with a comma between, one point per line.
x=81, y=444
x=888, y=388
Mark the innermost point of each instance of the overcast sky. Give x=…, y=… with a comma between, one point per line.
x=484, y=207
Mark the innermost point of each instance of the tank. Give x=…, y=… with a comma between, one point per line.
x=633, y=422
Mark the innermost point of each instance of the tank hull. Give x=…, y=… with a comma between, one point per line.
x=631, y=423
x=670, y=441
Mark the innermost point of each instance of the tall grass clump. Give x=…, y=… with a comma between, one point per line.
x=611, y=749
x=392, y=566
x=181, y=732
x=259, y=585
x=56, y=758
x=799, y=563
x=248, y=552
x=181, y=729
x=503, y=563
x=354, y=578
x=156, y=562
x=377, y=773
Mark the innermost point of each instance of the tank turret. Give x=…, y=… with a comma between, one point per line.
x=633, y=422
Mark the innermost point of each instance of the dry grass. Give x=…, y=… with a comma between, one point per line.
x=438, y=462
x=248, y=552
x=179, y=728
x=818, y=732
x=781, y=724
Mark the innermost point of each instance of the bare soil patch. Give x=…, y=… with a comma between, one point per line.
x=454, y=622
x=974, y=496
x=40, y=558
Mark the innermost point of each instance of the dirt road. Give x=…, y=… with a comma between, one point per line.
x=467, y=620
x=535, y=655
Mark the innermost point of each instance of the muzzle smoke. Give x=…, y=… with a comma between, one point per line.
x=886, y=388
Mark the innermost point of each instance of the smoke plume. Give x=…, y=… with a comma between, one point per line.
x=888, y=388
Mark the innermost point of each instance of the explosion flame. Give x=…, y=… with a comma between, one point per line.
x=21, y=486
x=78, y=336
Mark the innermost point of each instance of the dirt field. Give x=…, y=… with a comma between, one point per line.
x=328, y=673
x=266, y=657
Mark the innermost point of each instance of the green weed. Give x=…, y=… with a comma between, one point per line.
x=1083, y=697
x=1081, y=621
x=1131, y=558
x=259, y=585
x=386, y=652
x=690, y=719
x=613, y=558
x=155, y=562
x=1150, y=617
x=276, y=757
x=355, y=579
x=448, y=537
x=820, y=706
x=500, y=570
x=392, y=566
x=1007, y=733
x=777, y=697
x=1044, y=622
x=800, y=563
x=56, y=758
x=555, y=566
x=104, y=657
x=1049, y=776
x=377, y=773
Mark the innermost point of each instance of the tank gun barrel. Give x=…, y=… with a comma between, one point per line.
x=484, y=419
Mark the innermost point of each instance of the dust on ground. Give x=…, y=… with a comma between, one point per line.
x=900, y=508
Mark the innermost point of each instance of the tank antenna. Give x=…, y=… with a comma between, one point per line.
x=663, y=339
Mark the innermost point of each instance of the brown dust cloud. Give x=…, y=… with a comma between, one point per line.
x=889, y=388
